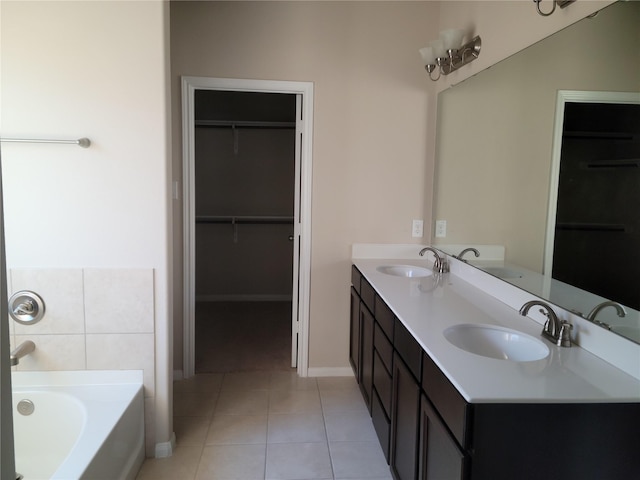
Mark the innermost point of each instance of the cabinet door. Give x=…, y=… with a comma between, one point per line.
x=440, y=457
x=381, y=423
x=404, y=422
x=366, y=353
x=354, y=341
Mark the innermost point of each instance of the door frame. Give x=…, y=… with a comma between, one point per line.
x=302, y=224
x=563, y=97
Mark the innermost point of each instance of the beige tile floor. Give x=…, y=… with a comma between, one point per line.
x=270, y=426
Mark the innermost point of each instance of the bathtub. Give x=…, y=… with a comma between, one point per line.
x=83, y=425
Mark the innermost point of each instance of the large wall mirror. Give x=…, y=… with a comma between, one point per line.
x=496, y=180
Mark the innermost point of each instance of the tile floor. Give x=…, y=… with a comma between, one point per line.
x=242, y=336
x=270, y=426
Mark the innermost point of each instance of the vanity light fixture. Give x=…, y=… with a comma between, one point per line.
x=447, y=53
x=556, y=3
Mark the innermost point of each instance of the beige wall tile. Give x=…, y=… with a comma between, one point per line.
x=119, y=300
x=123, y=351
x=62, y=292
x=53, y=352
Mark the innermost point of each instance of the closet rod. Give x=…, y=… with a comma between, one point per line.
x=265, y=219
x=82, y=142
x=243, y=123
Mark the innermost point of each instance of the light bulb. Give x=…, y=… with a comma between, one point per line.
x=438, y=48
x=451, y=38
x=428, y=55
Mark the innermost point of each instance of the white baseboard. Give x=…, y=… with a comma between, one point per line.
x=243, y=298
x=165, y=449
x=330, y=372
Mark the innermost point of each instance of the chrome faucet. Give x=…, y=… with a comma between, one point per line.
x=22, y=350
x=440, y=264
x=559, y=332
x=619, y=310
x=470, y=249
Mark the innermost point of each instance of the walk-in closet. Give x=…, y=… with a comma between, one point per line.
x=245, y=146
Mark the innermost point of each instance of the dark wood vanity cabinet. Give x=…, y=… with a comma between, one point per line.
x=444, y=417
x=405, y=404
x=428, y=431
x=439, y=455
x=404, y=422
x=354, y=332
x=361, y=333
x=366, y=353
x=382, y=388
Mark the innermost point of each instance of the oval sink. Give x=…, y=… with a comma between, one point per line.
x=404, y=270
x=496, y=342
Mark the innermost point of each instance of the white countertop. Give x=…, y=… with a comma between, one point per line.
x=566, y=375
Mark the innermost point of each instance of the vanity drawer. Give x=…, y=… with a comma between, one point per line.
x=385, y=317
x=368, y=294
x=408, y=348
x=382, y=382
x=384, y=347
x=355, y=278
x=451, y=406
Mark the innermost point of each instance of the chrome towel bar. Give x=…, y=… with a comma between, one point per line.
x=82, y=142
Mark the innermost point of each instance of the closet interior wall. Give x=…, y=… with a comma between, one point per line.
x=244, y=179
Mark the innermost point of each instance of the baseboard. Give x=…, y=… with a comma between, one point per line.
x=165, y=449
x=244, y=298
x=330, y=372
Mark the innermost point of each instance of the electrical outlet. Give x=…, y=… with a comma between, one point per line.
x=441, y=228
x=417, y=228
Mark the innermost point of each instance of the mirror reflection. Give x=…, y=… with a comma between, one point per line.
x=497, y=169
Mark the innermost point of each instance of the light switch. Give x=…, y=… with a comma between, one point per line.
x=417, y=229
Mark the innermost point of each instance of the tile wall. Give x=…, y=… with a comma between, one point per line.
x=95, y=319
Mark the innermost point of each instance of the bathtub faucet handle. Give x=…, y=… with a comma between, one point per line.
x=25, y=308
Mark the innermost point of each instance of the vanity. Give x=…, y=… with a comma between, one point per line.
x=446, y=403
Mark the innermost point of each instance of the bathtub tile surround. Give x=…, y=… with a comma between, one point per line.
x=53, y=352
x=311, y=428
x=62, y=291
x=124, y=352
x=95, y=319
x=119, y=301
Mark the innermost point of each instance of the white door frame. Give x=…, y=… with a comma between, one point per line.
x=566, y=96
x=302, y=222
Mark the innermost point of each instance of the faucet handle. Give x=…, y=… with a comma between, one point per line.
x=564, y=338
x=548, y=324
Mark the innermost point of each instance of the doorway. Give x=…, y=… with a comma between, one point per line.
x=596, y=173
x=247, y=167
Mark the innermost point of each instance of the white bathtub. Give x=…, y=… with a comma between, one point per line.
x=84, y=425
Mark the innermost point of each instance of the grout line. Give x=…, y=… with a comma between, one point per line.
x=326, y=433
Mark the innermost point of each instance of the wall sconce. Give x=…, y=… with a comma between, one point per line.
x=447, y=54
x=556, y=3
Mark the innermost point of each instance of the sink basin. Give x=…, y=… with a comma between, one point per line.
x=404, y=270
x=502, y=272
x=496, y=342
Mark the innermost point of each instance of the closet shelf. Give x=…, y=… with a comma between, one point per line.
x=594, y=135
x=246, y=219
x=592, y=227
x=243, y=124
